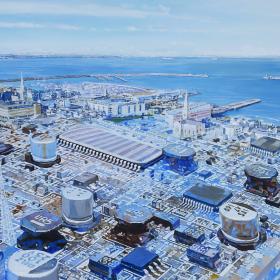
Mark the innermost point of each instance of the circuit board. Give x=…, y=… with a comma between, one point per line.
x=149, y=223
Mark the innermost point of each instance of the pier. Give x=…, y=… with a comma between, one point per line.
x=234, y=106
x=116, y=76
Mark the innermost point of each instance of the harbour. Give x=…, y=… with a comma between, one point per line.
x=234, y=106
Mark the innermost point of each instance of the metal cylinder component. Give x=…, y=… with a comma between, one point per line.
x=240, y=223
x=31, y=265
x=77, y=205
x=43, y=148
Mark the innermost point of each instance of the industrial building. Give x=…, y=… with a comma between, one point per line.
x=266, y=146
x=180, y=158
x=188, y=122
x=195, y=111
x=188, y=128
x=18, y=110
x=118, y=107
x=111, y=147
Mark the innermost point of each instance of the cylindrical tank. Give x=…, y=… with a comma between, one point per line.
x=180, y=158
x=240, y=223
x=43, y=148
x=133, y=218
x=261, y=179
x=77, y=205
x=31, y=265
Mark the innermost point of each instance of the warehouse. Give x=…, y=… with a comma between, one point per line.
x=111, y=147
x=266, y=146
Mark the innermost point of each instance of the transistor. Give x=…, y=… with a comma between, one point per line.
x=204, y=256
x=189, y=234
x=143, y=262
x=104, y=266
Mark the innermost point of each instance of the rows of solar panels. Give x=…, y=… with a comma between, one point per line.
x=110, y=147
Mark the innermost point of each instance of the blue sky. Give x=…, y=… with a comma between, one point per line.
x=141, y=27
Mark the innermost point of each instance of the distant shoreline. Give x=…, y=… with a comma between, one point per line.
x=38, y=56
x=98, y=76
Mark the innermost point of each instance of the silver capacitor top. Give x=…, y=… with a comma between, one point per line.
x=32, y=264
x=77, y=205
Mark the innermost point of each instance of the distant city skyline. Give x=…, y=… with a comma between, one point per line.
x=234, y=28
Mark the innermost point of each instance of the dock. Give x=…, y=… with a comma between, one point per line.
x=234, y=106
x=114, y=76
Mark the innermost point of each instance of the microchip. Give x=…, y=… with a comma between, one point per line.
x=211, y=196
x=166, y=219
x=189, y=234
x=104, y=266
x=204, y=256
x=138, y=260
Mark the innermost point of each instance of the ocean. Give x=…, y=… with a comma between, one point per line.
x=230, y=79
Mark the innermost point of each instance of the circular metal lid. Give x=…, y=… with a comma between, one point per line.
x=178, y=151
x=32, y=264
x=134, y=213
x=261, y=171
x=238, y=212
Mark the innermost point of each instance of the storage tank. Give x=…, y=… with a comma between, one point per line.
x=133, y=218
x=180, y=158
x=262, y=179
x=43, y=148
x=239, y=223
x=31, y=265
x=77, y=205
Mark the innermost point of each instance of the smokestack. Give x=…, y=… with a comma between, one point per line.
x=21, y=89
x=186, y=106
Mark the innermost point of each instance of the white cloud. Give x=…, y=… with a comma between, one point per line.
x=65, y=27
x=132, y=29
x=31, y=25
x=13, y=7
x=20, y=25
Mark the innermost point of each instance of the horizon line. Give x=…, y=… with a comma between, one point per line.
x=41, y=55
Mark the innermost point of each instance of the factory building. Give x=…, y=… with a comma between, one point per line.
x=118, y=107
x=188, y=128
x=232, y=131
x=110, y=147
x=17, y=107
x=266, y=146
x=17, y=110
x=180, y=159
x=195, y=111
x=187, y=122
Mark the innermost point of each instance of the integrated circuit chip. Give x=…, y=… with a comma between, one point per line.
x=210, y=196
x=139, y=260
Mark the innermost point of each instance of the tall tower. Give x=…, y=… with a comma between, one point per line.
x=7, y=228
x=186, y=106
x=21, y=89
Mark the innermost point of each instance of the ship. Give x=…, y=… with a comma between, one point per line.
x=269, y=77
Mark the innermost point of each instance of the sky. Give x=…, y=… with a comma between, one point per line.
x=244, y=28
